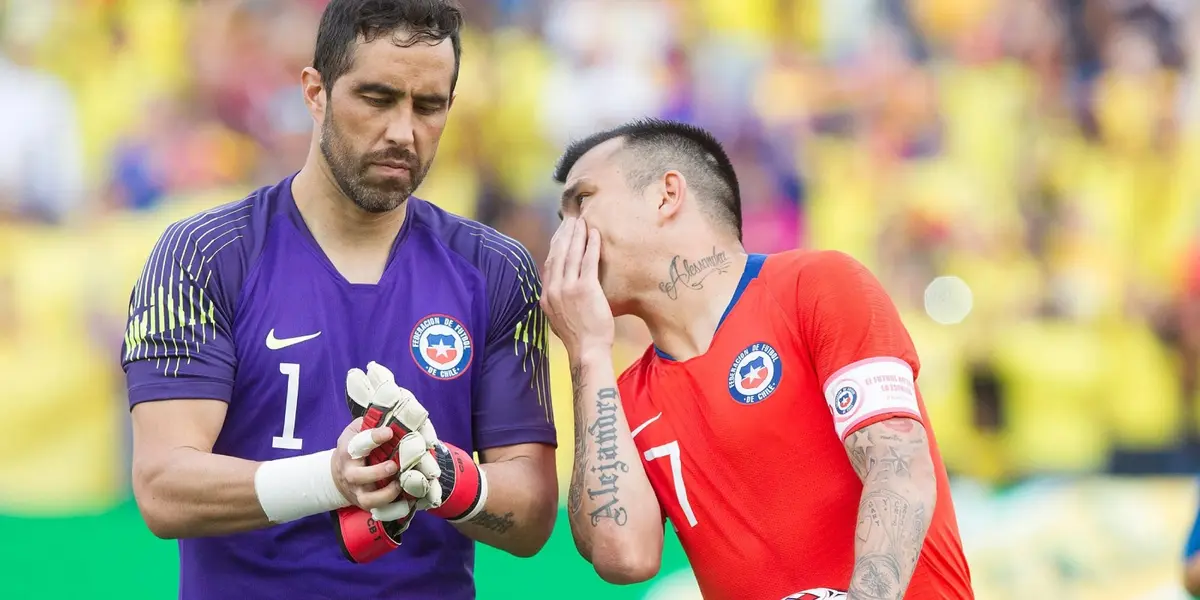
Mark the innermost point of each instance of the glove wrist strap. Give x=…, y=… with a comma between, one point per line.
x=467, y=484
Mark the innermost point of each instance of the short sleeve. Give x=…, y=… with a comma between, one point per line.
x=512, y=402
x=862, y=354
x=178, y=340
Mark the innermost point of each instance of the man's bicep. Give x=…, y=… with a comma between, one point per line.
x=512, y=403
x=164, y=425
x=892, y=446
x=541, y=455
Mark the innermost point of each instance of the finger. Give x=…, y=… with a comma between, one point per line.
x=548, y=267
x=590, y=268
x=371, y=499
x=364, y=442
x=558, y=249
x=394, y=511
x=428, y=432
x=434, y=498
x=574, y=257
x=368, y=475
x=358, y=387
x=405, y=412
x=387, y=395
x=350, y=431
x=414, y=483
x=425, y=503
x=379, y=374
x=412, y=448
x=411, y=414
x=428, y=466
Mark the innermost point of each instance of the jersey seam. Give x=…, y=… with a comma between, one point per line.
x=793, y=327
x=474, y=267
x=255, y=266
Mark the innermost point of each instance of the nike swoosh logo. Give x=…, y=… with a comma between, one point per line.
x=274, y=343
x=639, y=428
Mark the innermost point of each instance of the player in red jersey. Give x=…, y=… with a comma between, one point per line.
x=775, y=421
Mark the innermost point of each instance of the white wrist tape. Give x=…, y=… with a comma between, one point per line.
x=297, y=487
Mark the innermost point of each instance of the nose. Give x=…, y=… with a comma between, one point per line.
x=400, y=126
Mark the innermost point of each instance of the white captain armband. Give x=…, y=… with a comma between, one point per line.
x=871, y=390
x=297, y=487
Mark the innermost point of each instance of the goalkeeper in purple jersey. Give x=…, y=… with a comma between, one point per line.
x=252, y=322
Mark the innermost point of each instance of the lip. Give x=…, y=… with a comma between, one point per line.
x=393, y=168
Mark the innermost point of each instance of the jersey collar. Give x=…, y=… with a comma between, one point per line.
x=754, y=265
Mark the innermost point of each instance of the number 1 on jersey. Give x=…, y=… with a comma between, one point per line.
x=671, y=451
x=289, y=441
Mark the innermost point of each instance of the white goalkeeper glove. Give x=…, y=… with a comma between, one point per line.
x=438, y=477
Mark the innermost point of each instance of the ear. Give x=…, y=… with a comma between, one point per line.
x=315, y=96
x=673, y=192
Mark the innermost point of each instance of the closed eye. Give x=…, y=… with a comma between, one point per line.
x=430, y=109
x=377, y=102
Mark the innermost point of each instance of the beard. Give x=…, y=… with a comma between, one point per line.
x=372, y=194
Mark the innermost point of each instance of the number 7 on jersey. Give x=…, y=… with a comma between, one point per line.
x=671, y=452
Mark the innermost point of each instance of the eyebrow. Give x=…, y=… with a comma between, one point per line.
x=384, y=89
x=438, y=99
x=377, y=88
x=568, y=195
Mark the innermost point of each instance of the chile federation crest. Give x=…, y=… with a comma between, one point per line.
x=441, y=346
x=755, y=374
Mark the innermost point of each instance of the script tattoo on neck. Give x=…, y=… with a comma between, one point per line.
x=691, y=274
x=582, y=454
x=607, y=468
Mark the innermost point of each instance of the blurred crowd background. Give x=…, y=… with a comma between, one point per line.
x=1021, y=174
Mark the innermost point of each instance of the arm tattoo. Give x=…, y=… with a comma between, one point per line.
x=603, y=433
x=597, y=468
x=892, y=458
x=691, y=274
x=497, y=523
x=581, y=464
x=876, y=577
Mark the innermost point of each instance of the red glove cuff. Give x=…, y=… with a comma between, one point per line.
x=363, y=539
x=464, y=487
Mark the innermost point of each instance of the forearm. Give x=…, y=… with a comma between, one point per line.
x=190, y=493
x=898, y=499
x=893, y=518
x=520, y=509
x=614, y=516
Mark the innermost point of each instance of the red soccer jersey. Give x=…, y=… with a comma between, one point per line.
x=743, y=445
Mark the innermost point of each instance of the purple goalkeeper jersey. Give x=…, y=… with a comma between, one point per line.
x=240, y=304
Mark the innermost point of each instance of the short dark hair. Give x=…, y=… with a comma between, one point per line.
x=343, y=21
x=655, y=146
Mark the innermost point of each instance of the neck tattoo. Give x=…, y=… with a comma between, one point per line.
x=692, y=273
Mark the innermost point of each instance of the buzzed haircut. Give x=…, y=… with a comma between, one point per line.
x=424, y=21
x=654, y=146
